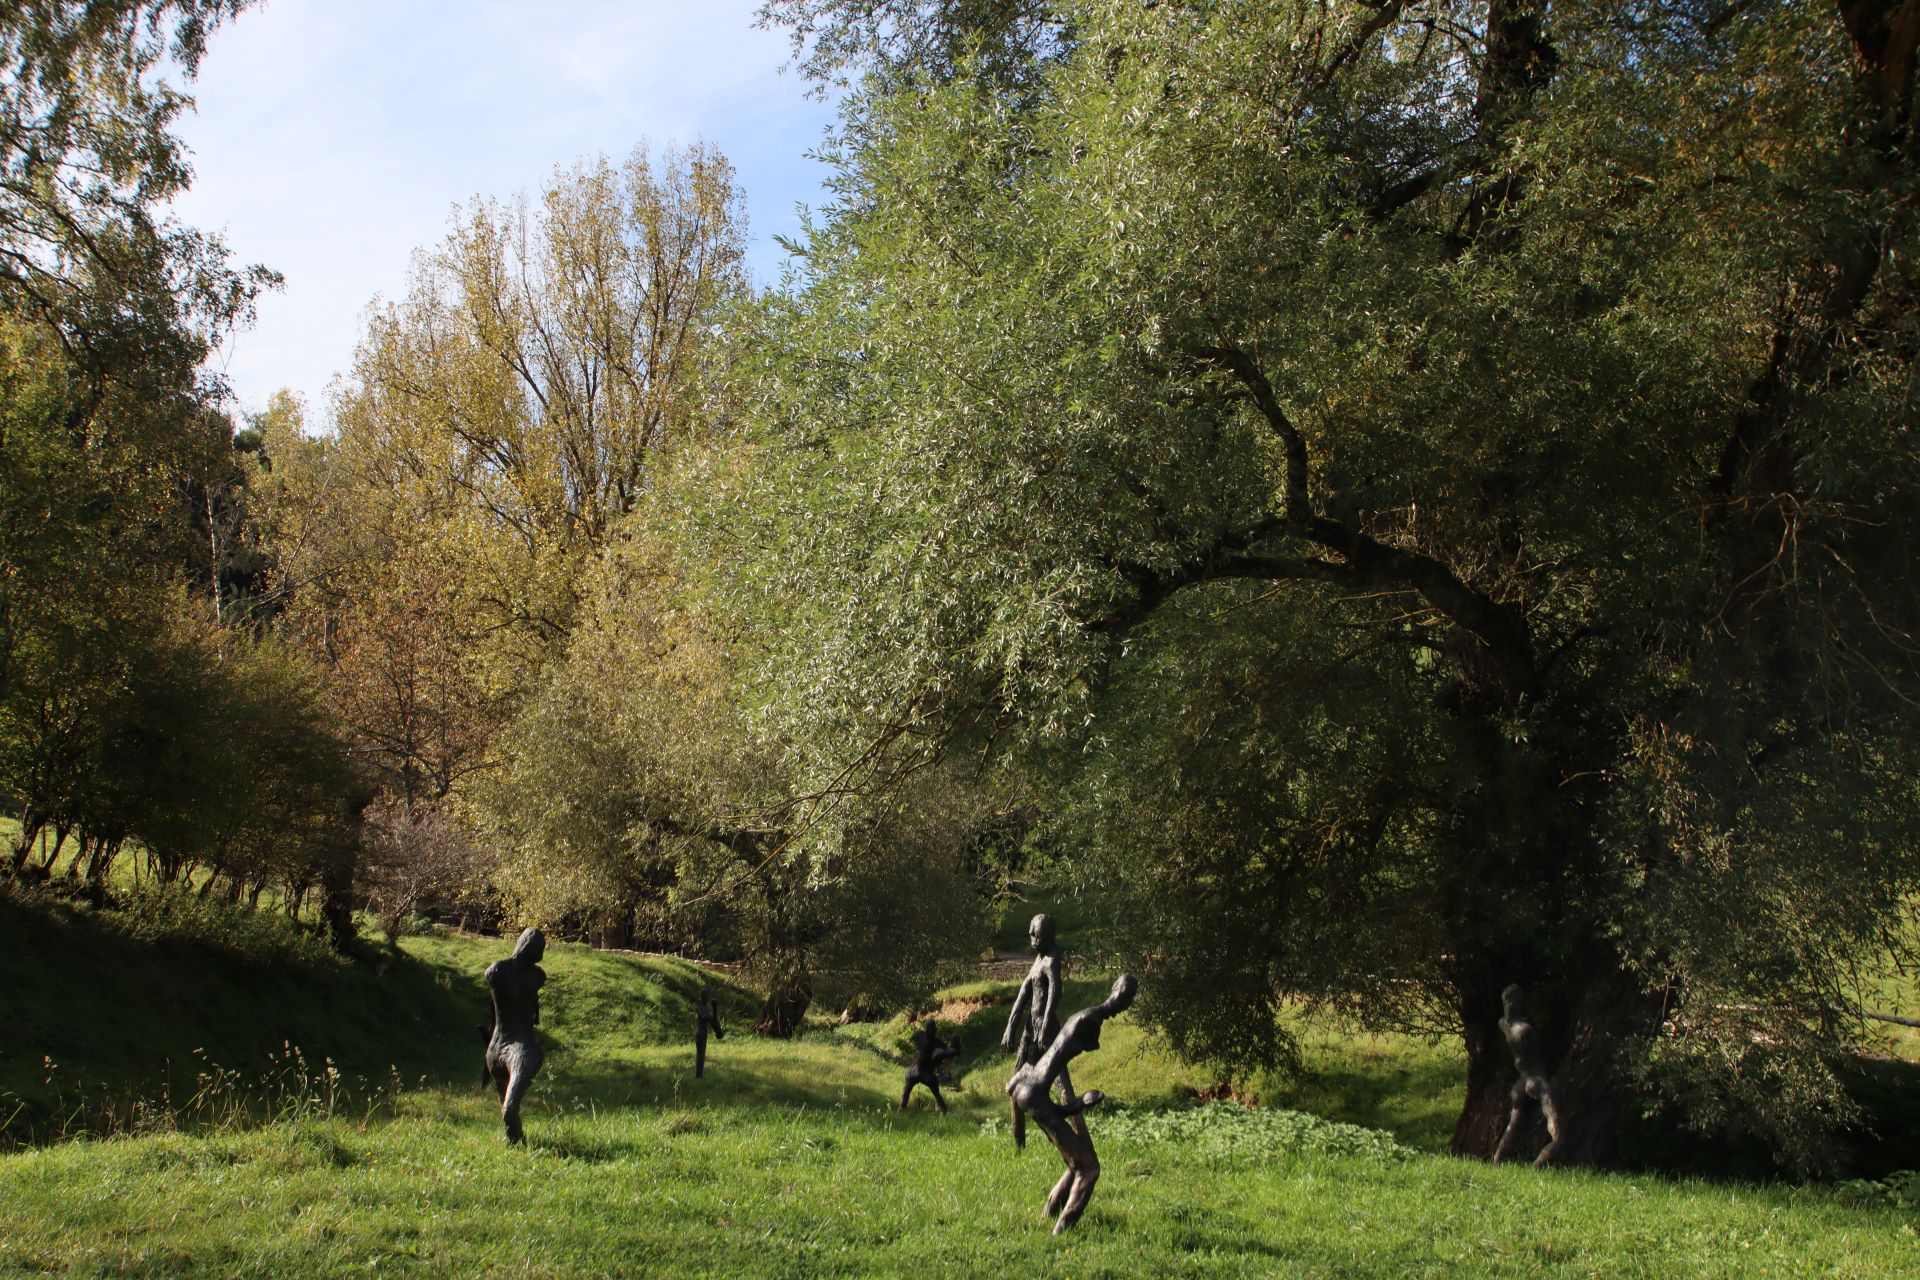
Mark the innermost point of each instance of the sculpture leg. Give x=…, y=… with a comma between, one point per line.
x=1069, y=1196
x=939, y=1103
x=905, y=1091
x=700, y=1054
x=495, y=1073
x=1083, y=1170
x=1516, y=1121
x=522, y=1063
x=1550, y=1108
x=1057, y=1198
x=1019, y=1128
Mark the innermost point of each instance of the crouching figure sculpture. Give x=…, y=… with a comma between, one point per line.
x=929, y=1051
x=1029, y=1089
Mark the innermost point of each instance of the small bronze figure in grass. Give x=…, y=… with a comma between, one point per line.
x=1029, y=1089
x=706, y=1015
x=1534, y=1087
x=1035, y=1020
x=513, y=1051
x=929, y=1052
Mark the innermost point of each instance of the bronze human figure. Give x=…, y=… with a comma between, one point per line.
x=706, y=1015
x=1534, y=1087
x=513, y=1051
x=929, y=1052
x=1029, y=1089
x=1034, y=1021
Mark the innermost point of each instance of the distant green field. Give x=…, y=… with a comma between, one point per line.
x=788, y=1159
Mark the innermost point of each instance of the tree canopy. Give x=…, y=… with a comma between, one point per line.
x=1433, y=481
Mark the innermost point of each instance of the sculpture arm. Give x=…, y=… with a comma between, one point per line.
x=1074, y=1106
x=1020, y=1003
x=719, y=1033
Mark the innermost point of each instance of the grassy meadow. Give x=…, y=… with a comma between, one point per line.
x=787, y=1159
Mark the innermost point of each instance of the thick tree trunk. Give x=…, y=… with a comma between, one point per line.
x=336, y=902
x=1483, y=1116
x=788, y=998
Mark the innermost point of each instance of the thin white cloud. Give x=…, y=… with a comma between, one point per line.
x=336, y=137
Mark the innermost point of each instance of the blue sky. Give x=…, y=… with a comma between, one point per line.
x=333, y=138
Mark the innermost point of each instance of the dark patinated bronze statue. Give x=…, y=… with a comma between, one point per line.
x=705, y=1016
x=929, y=1052
x=1035, y=1020
x=513, y=1051
x=1533, y=1088
x=1030, y=1090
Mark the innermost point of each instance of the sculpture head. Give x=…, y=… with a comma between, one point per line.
x=1121, y=994
x=531, y=946
x=1514, y=1000
x=1040, y=932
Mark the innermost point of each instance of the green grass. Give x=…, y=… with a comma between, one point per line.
x=723, y=1188
x=787, y=1158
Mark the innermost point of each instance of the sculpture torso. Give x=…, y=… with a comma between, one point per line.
x=515, y=984
x=1043, y=1022
x=924, y=1044
x=1523, y=1042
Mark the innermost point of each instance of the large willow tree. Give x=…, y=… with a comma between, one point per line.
x=1436, y=480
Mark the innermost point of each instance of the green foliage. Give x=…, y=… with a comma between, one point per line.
x=938, y=39
x=1232, y=1134
x=640, y=799
x=169, y=917
x=1418, y=484
x=88, y=163
x=125, y=715
x=1901, y=1189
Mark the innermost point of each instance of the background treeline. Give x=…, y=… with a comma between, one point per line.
x=143, y=703
x=1384, y=499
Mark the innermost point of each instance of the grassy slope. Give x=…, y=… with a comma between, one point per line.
x=787, y=1159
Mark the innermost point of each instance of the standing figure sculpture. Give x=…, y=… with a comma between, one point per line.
x=513, y=1051
x=1029, y=1089
x=929, y=1052
x=1035, y=1019
x=1534, y=1087
x=706, y=1015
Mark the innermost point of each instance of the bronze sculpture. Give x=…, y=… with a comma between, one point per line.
x=1034, y=1021
x=929, y=1052
x=1030, y=1090
x=1534, y=1087
x=513, y=1051
x=706, y=1015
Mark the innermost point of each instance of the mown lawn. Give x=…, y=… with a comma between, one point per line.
x=665, y=1189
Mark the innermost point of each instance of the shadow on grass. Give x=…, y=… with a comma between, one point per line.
x=1416, y=1099
x=106, y=1023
